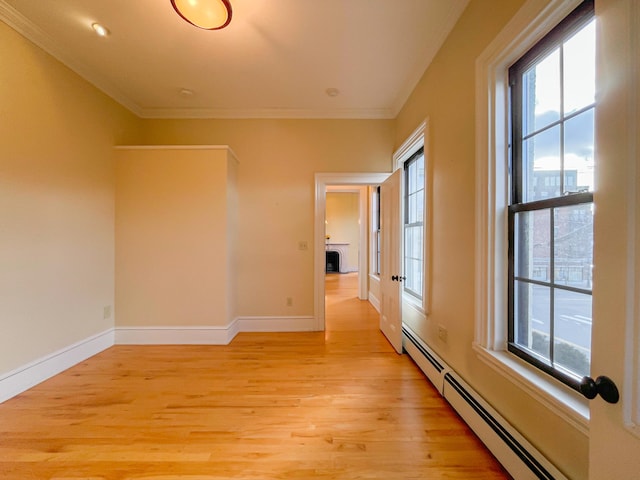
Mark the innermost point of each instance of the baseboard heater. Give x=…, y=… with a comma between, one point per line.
x=521, y=459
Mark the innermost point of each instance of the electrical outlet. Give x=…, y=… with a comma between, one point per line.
x=303, y=245
x=289, y=301
x=442, y=333
x=106, y=312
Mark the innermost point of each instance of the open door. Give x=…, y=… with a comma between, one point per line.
x=614, y=431
x=390, y=264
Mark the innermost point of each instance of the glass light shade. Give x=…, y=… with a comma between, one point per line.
x=206, y=14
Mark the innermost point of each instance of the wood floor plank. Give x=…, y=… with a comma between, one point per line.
x=339, y=404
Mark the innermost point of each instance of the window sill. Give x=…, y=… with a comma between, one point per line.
x=560, y=399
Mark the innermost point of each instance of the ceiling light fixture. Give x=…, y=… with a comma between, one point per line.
x=205, y=14
x=100, y=30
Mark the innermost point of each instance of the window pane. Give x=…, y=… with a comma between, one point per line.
x=541, y=94
x=572, y=334
x=541, y=165
x=409, y=241
x=411, y=218
x=531, y=319
x=413, y=242
x=410, y=245
x=532, y=245
x=420, y=205
x=413, y=273
x=573, y=237
x=580, y=70
x=408, y=271
x=416, y=207
x=578, y=152
x=412, y=177
x=413, y=259
x=416, y=251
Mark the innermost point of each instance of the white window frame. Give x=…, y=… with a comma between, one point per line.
x=418, y=139
x=532, y=22
x=407, y=177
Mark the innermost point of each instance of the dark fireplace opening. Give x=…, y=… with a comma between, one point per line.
x=333, y=262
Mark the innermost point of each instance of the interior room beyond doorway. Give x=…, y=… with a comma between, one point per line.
x=342, y=231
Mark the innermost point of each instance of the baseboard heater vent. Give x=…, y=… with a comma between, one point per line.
x=429, y=363
x=521, y=459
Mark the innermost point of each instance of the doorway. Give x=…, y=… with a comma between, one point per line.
x=345, y=238
x=335, y=181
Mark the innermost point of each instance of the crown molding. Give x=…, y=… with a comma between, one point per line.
x=275, y=113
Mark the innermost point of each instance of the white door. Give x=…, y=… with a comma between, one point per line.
x=390, y=264
x=614, y=433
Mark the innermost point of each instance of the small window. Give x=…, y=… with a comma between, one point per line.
x=414, y=224
x=551, y=199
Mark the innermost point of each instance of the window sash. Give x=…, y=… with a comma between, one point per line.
x=549, y=365
x=413, y=223
x=573, y=23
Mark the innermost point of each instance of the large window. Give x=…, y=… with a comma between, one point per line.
x=414, y=223
x=551, y=199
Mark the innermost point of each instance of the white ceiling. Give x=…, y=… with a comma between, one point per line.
x=276, y=59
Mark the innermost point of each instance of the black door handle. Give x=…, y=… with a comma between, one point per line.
x=603, y=386
x=397, y=278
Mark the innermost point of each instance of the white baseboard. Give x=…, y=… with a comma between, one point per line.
x=374, y=301
x=29, y=375
x=277, y=324
x=203, y=335
x=210, y=335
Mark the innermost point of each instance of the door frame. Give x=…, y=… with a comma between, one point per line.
x=322, y=181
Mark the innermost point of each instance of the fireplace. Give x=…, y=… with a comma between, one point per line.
x=333, y=261
x=336, y=255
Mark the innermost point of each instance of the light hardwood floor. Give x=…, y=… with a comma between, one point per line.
x=339, y=404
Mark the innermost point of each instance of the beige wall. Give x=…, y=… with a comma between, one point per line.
x=173, y=231
x=446, y=95
x=278, y=160
x=56, y=203
x=342, y=215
